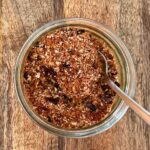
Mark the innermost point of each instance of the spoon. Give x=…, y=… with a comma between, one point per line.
x=144, y=114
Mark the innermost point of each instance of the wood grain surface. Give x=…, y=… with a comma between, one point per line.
x=130, y=19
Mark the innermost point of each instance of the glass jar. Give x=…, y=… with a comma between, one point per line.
x=124, y=61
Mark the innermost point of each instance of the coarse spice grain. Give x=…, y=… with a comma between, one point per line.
x=63, y=78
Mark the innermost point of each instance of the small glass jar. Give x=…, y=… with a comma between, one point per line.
x=123, y=57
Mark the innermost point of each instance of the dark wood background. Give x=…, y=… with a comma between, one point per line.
x=130, y=19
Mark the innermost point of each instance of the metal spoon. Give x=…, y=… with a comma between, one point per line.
x=144, y=114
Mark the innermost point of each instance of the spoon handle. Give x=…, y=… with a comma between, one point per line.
x=143, y=113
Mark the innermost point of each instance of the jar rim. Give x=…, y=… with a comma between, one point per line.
x=117, y=114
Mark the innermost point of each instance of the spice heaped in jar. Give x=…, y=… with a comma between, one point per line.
x=59, y=77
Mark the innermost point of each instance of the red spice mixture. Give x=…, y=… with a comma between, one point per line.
x=63, y=78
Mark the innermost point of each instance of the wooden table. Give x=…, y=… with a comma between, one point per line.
x=130, y=19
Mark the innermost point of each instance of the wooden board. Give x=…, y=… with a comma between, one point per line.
x=130, y=19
